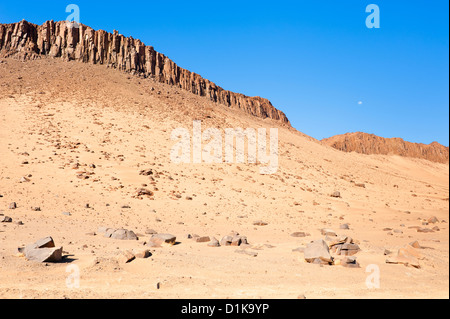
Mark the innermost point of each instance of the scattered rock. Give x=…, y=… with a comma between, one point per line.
x=260, y=223
x=203, y=239
x=246, y=252
x=318, y=250
x=43, y=250
x=159, y=240
x=344, y=226
x=433, y=220
x=336, y=194
x=125, y=257
x=13, y=205
x=214, y=242
x=300, y=234
x=328, y=232
x=6, y=219
x=350, y=262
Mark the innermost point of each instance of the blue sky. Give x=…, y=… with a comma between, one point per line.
x=315, y=60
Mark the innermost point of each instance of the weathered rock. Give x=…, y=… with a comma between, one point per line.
x=5, y=219
x=124, y=234
x=318, y=250
x=43, y=250
x=203, y=239
x=350, y=262
x=371, y=144
x=125, y=257
x=246, y=252
x=13, y=205
x=344, y=226
x=300, y=234
x=162, y=239
x=239, y=240
x=24, y=40
x=141, y=253
x=214, y=242
x=260, y=223
x=415, y=244
x=150, y=232
x=328, y=232
x=433, y=220
x=336, y=194
x=226, y=241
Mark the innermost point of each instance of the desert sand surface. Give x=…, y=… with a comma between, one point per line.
x=74, y=134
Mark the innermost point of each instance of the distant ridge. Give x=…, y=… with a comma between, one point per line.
x=25, y=40
x=371, y=144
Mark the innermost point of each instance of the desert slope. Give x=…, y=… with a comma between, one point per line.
x=364, y=143
x=81, y=134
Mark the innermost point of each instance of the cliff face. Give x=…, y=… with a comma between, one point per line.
x=371, y=144
x=25, y=40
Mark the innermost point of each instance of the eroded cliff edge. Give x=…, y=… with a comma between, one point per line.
x=26, y=40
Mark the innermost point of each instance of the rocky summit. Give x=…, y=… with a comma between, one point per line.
x=371, y=144
x=25, y=40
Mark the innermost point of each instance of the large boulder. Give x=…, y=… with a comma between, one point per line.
x=317, y=250
x=43, y=250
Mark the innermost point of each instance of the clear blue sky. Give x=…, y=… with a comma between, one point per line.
x=315, y=60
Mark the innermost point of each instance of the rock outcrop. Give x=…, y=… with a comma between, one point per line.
x=371, y=144
x=25, y=40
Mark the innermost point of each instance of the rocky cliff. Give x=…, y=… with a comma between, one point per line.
x=25, y=40
x=371, y=144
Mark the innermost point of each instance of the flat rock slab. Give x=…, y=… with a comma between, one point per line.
x=162, y=239
x=203, y=239
x=300, y=234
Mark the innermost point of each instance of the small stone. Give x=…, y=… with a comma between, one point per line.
x=260, y=223
x=344, y=226
x=328, y=232
x=336, y=194
x=214, y=243
x=204, y=239
x=13, y=205
x=6, y=219
x=126, y=257
x=150, y=232
x=142, y=253
x=300, y=234
x=226, y=241
x=433, y=220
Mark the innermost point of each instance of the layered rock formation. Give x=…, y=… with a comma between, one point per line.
x=371, y=144
x=25, y=40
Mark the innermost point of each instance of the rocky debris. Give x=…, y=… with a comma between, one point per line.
x=150, y=232
x=360, y=185
x=246, y=252
x=425, y=230
x=415, y=244
x=214, y=242
x=300, y=234
x=5, y=219
x=124, y=234
x=125, y=257
x=226, y=241
x=158, y=240
x=433, y=220
x=13, y=205
x=260, y=223
x=144, y=192
x=203, y=239
x=119, y=234
x=349, y=262
x=407, y=256
x=43, y=250
x=142, y=253
x=371, y=144
x=344, y=246
x=25, y=41
x=344, y=226
x=336, y=194
x=24, y=180
x=239, y=240
x=318, y=252
x=328, y=232
x=67, y=214
x=36, y=209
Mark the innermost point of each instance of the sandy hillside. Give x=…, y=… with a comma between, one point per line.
x=74, y=134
